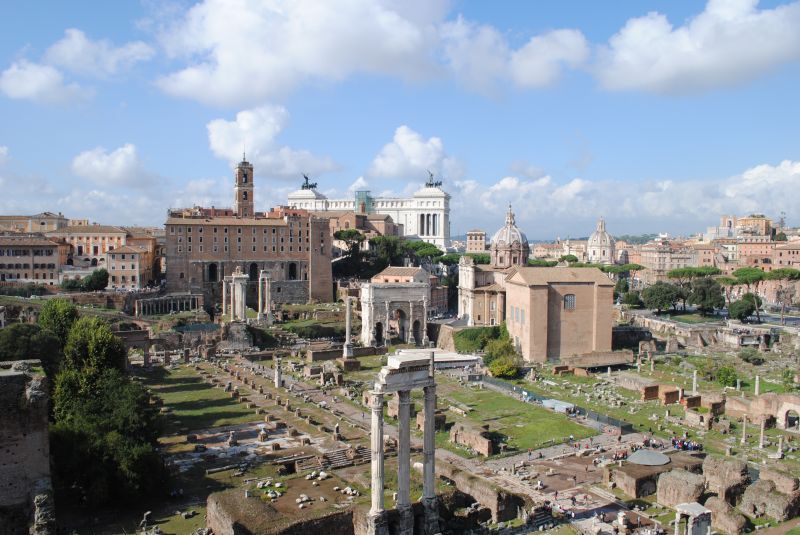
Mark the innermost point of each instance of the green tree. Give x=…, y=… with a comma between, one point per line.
x=22, y=341
x=726, y=376
x=706, y=294
x=92, y=347
x=103, y=441
x=780, y=236
x=352, y=239
x=750, y=277
x=538, y=262
x=568, y=258
x=660, y=296
x=728, y=283
x=504, y=367
x=621, y=286
x=741, y=309
x=95, y=282
x=785, y=292
x=498, y=349
x=450, y=259
x=480, y=258
x=57, y=316
x=632, y=299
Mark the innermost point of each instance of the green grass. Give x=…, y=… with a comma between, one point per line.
x=524, y=424
x=195, y=404
x=694, y=318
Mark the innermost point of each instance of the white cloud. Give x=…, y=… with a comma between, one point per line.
x=546, y=208
x=410, y=156
x=256, y=131
x=39, y=83
x=119, y=167
x=731, y=41
x=481, y=57
x=3, y=154
x=358, y=184
x=245, y=51
x=76, y=52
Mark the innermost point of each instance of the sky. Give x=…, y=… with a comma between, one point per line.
x=658, y=116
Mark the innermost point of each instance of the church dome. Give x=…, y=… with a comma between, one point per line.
x=600, y=238
x=510, y=233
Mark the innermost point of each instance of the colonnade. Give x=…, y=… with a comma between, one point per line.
x=429, y=224
x=166, y=304
x=234, y=295
x=401, y=376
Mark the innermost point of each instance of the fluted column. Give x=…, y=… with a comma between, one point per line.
x=404, y=463
x=348, y=344
x=260, y=298
x=376, y=400
x=429, y=463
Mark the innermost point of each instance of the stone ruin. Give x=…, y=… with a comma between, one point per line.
x=724, y=518
x=475, y=439
x=26, y=497
x=727, y=478
x=679, y=486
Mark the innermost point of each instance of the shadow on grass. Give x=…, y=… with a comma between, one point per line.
x=206, y=404
x=205, y=421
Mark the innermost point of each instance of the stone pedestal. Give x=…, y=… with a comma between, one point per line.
x=350, y=364
x=377, y=523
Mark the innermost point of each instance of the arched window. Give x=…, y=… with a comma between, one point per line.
x=244, y=195
x=569, y=302
x=212, y=272
x=292, y=271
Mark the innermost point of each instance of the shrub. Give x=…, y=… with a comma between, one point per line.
x=498, y=349
x=504, y=367
x=742, y=309
x=752, y=356
x=726, y=376
x=632, y=299
x=475, y=339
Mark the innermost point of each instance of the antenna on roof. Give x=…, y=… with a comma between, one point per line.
x=244, y=151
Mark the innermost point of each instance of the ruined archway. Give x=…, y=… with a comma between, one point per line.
x=378, y=334
x=292, y=271
x=253, y=272
x=416, y=332
x=213, y=272
x=398, y=326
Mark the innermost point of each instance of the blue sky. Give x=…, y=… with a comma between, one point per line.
x=658, y=116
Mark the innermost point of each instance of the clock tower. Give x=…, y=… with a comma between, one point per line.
x=243, y=189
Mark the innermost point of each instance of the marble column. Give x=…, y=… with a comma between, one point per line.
x=347, y=350
x=386, y=328
x=761, y=435
x=410, y=337
x=429, y=463
x=694, y=382
x=744, y=430
x=260, y=298
x=377, y=515
x=278, y=373
x=404, y=464
x=758, y=385
x=424, y=322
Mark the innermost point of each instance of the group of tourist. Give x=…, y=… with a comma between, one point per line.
x=684, y=444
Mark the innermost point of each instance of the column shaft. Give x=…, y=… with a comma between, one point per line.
x=429, y=444
x=404, y=449
x=377, y=454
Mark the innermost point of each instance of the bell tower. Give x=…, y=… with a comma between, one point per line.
x=243, y=189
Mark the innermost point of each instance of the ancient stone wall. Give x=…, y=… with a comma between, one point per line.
x=314, y=355
x=784, y=483
x=26, y=503
x=725, y=518
x=727, y=478
x=762, y=498
x=501, y=503
x=679, y=486
x=475, y=439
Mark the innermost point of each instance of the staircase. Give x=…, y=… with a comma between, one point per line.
x=541, y=519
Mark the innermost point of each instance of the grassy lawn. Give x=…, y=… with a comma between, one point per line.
x=525, y=425
x=195, y=404
x=694, y=318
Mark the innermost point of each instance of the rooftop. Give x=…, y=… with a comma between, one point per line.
x=539, y=276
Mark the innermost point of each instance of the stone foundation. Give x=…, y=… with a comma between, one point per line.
x=679, y=486
x=727, y=478
x=725, y=518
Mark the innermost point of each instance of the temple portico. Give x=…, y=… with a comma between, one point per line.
x=401, y=375
x=234, y=295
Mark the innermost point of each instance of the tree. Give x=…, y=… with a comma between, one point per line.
x=660, y=296
x=480, y=258
x=750, y=277
x=741, y=309
x=728, y=283
x=450, y=259
x=780, y=236
x=784, y=292
x=57, y=316
x=95, y=282
x=726, y=376
x=568, y=258
x=421, y=252
x=538, y=262
x=387, y=251
x=504, y=367
x=706, y=294
x=103, y=441
x=352, y=239
x=622, y=287
x=22, y=341
x=631, y=299
x=92, y=347
x=498, y=349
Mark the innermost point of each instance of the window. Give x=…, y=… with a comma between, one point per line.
x=569, y=302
